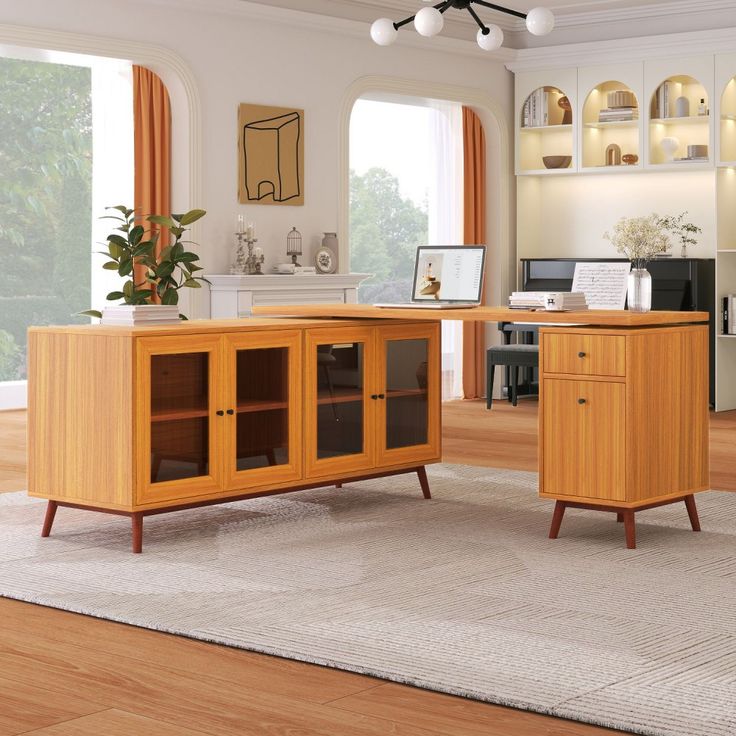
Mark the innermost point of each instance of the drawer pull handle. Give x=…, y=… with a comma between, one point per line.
x=220, y=413
x=581, y=401
x=581, y=354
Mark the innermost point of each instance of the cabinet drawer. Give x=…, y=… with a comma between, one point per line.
x=584, y=355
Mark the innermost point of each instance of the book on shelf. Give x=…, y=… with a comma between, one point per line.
x=663, y=100
x=729, y=314
x=132, y=315
x=617, y=114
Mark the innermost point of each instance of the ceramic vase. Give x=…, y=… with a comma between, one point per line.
x=669, y=146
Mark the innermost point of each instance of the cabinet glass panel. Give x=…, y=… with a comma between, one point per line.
x=179, y=416
x=407, y=406
x=340, y=399
x=262, y=428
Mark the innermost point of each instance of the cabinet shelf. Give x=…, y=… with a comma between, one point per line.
x=689, y=120
x=544, y=128
x=174, y=415
x=613, y=124
x=255, y=405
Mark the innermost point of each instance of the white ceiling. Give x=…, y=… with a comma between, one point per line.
x=576, y=20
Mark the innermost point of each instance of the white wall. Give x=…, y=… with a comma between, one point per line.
x=239, y=53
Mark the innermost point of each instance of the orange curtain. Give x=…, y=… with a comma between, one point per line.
x=474, y=232
x=152, y=142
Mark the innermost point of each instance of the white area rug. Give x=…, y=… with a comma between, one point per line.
x=463, y=594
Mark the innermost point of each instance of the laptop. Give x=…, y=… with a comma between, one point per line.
x=446, y=277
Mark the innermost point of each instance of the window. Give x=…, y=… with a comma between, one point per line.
x=406, y=190
x=65, y=153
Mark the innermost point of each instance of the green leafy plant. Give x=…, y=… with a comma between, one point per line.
x=683, y=231
x=165, y=273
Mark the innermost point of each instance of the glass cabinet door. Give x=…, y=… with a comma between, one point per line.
x=179, y=431
x=263, y=408
x=408, y=421
x=339, y=408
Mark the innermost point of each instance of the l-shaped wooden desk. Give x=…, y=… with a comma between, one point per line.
x=145, y=420
x=623, y=416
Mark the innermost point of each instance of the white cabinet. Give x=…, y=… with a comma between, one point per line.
x=234, y=296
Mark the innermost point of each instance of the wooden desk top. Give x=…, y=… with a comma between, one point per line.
x=598, y=317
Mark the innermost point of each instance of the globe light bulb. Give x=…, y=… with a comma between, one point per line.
x=492, y=40
x=383, y=32
x=540, y=21
x=429, y=22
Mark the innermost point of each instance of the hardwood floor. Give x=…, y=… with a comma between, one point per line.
x=62, y=674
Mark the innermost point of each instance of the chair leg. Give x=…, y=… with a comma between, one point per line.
x=338, y=485
x=48, y=520
x=490, y=369
x=620, y=518
x=136, y=520
x=423, y=482
x=514, y=384
x=559, y=512
x=692, y=512
x=630, y=528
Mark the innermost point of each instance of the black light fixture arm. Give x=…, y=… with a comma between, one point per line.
x=447, y=4
x=482, y=25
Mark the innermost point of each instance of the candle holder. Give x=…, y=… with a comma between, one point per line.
x=249, y=264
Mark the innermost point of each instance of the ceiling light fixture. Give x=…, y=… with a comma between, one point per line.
x=429, y=21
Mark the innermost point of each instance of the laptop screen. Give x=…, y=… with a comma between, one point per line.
x=448, y=273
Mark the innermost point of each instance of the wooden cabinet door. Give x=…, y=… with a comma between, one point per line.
x=409, y=390
x=263, y=409
x=339, y=423
x=583, y=439
x=178, y=431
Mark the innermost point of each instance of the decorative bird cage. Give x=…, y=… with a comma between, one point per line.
x=294, y=245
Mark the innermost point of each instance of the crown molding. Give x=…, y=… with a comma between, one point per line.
x=690, y=43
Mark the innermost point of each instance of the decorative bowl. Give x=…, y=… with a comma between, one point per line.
x=556, y=162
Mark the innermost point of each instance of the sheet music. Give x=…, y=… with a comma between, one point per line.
x=604, y=284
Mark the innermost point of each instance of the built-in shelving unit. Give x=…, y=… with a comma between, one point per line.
x=562, y=215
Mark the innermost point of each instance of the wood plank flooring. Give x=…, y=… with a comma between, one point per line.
x=62, y=674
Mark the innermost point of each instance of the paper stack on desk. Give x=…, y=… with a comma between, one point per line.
x=557, y=301
x=134, y=315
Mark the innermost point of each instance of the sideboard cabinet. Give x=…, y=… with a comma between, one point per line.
x=137, y=421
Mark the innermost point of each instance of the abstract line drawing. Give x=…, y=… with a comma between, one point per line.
x=271, y=155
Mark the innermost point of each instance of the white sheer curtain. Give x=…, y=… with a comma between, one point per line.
x=112, y=161
x=446, y=221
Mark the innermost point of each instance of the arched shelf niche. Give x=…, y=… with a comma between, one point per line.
x=610, y=127
x=546, y=132
x=678, y=122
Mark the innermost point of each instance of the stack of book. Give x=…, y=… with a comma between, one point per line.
x=136, y=315
x=618, y=114
x=569, y=301
x=536, y=109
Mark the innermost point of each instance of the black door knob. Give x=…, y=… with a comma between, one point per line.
x=374, y=397
x=581, y=355
x=231, y=411
x=581, y=401
x=381, y=396
x=220, y=413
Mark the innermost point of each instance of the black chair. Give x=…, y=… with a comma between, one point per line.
x=513, y=356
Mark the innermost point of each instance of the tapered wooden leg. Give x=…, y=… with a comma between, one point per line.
x=630, y=529
x=136, y=520
x=692, y=512
x=423, y=482
x=48, y=520
x=620, y=518
x=559, y=512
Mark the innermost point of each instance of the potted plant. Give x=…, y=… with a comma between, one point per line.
x=164, y=273
x=639, y=239
x=682, y=230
